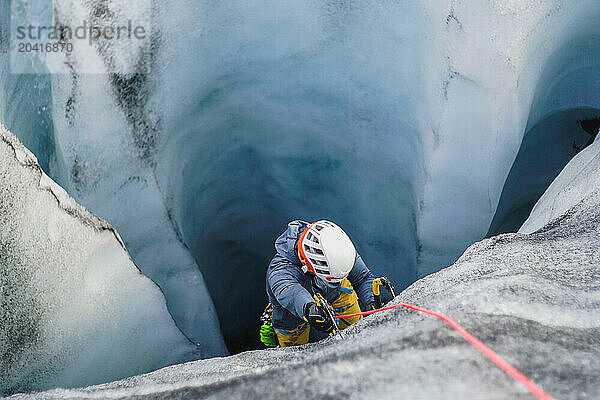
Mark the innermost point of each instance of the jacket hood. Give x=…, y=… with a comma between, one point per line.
x=285, y=245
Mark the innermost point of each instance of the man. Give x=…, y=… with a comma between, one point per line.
x=311, y=258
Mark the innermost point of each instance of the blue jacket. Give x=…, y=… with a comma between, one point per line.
x=289, y=289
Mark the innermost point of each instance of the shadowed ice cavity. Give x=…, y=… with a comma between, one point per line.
x=321, y=124
x=238, y=190
x=561, y=123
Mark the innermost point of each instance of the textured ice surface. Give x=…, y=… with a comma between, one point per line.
x=106, y=132
x=533, y=298
x=510, y=67
x=400, y=120
x=25, y=100
x=74, y=308
x=567, y=93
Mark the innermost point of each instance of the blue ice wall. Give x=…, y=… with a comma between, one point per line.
x=567, y=94
x=307, y=129
x=25, y=99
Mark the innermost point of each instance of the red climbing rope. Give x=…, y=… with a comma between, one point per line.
x=489, y=353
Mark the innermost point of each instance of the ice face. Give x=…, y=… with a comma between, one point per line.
x=563, y=121
x=105, y=142
x=25, y=100
x=401, y=121
x=75, y=310
x=532, y=297
x=509, y=70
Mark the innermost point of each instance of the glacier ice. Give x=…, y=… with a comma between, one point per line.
x=533, y=298
x=74, y=308
x=205, y=159
x=299, y=129
x=413, y=124
x=25, y=101
x=105, y=145
x=580, y=179
x=545, y=151
x=566, y=95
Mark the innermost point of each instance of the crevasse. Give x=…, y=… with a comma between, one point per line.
x=418, y=126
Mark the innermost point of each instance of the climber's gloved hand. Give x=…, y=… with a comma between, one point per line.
x=387, y=284
x=377, y=283
x=317, y=318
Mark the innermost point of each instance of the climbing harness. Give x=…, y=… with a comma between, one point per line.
x=489, y=353
x=267, y=331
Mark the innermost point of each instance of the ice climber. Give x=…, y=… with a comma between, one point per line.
x=314, y=258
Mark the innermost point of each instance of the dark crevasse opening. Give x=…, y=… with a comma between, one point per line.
x=563, y=120
x=246, y=170
x=546, y=149
x=319, y=124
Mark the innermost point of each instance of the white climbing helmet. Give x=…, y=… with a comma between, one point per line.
x=325, y=250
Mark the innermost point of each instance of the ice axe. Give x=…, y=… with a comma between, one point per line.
x=329, y=312
x=377, y=283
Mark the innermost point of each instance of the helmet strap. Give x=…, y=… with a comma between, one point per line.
x=306, y=267
x=302, y=262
